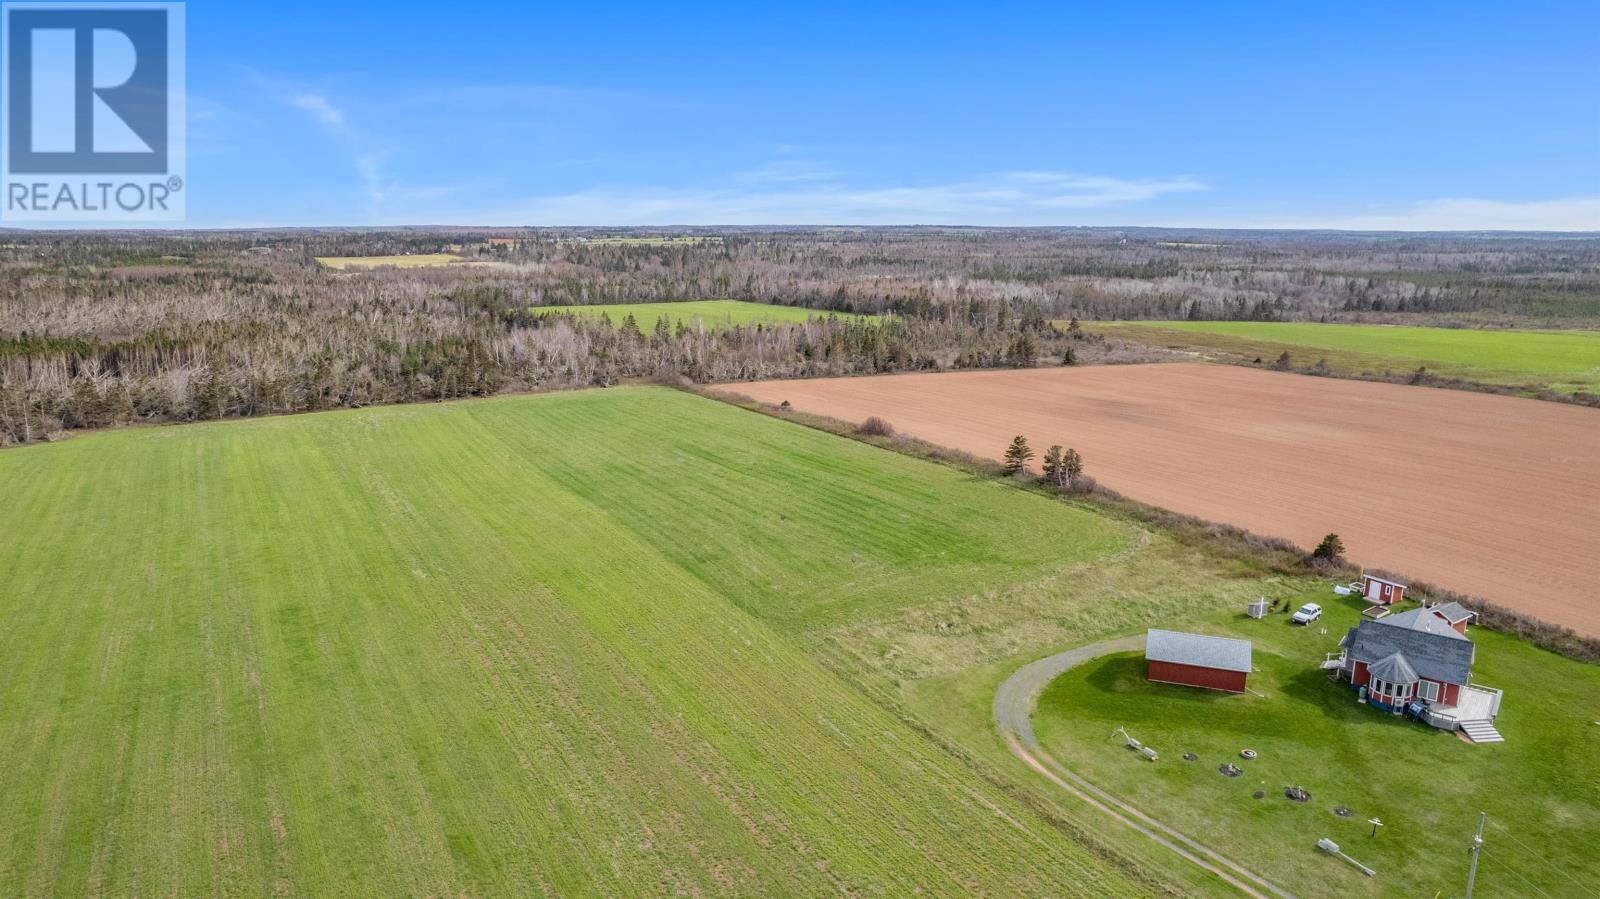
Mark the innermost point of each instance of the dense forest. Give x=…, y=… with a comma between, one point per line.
x=112, y=328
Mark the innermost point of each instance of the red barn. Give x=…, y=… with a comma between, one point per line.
x=1195, y=660
x=1381, y=591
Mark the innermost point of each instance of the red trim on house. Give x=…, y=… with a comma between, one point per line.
x=1196, y=676
x=1385, y=594
x=1449, y=694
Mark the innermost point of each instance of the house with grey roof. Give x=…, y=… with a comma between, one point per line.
x=1420, y=662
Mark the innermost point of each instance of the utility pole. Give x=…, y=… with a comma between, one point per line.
x=1477, y=847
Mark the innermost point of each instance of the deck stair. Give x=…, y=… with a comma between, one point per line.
x=1481, y=731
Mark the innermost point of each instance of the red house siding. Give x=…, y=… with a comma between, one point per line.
x=1385, y=594
x=1195, y=676
x=1449, y=694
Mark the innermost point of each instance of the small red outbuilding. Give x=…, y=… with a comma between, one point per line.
x=1382, y=591
x=1195, y=660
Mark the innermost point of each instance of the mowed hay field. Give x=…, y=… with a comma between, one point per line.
x=1494, y=496
x=518, y=646
x=419, y=260
x=702, y=313
x=1564, y=361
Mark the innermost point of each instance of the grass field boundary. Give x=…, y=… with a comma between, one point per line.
x=1251, y=351
x=1273, y=554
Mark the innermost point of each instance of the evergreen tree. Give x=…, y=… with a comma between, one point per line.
x=1055, y=467
x=1017, y=456
x=1023, y=351
x=1331, y=548
x=1073, y=464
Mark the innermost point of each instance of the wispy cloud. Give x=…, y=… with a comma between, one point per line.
x=322, y=110
x=1580, y=213
x=366, y=157
x=1017, y=198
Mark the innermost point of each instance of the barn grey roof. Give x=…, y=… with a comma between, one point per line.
x=1431, y=647
x=1383, y=580
x=1454, y=612
x=1395, y=669
x=1197, y=649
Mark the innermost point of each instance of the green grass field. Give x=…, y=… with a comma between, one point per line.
x=419, y=260
x=1541, y=788
x=709, y=313
x=515, y=646
x=646, y=241
x=1565, y=361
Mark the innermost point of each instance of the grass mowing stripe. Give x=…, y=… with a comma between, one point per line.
x=451, y=649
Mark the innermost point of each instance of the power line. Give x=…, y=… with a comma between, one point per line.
x=1514, y=873
x=1531, y=851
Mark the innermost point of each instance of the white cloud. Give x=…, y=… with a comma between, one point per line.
x=322, y=110
x=1010, y=198
x=365, y=156
x=1564, y=214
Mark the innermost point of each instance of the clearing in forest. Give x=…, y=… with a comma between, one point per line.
x=709, y=314
x=419, y=260
x=1564, y=361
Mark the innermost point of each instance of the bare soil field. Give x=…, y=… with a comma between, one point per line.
x=1493, y=496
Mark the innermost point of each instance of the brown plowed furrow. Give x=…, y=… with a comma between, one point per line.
x=1493, y=496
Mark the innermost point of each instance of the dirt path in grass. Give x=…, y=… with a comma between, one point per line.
x=1493, y=496
x=1013, y=710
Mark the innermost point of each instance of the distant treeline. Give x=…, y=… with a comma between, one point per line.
x=105, y=329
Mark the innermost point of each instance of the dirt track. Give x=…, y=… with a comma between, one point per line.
x=1493, y=496
x=1013, y=713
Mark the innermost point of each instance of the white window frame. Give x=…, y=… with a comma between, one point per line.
x=1428, y=690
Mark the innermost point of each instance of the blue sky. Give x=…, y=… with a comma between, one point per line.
x=1388, y=115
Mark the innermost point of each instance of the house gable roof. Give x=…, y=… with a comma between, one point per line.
x=1395, y=669
x=1429, y=645
x=1222, y=653
x=1453, y=612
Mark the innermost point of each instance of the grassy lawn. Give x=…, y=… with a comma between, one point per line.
x=1541, y=788
x=515, y=646
x=1566, y=361
x=707, y=313
x=419, y=260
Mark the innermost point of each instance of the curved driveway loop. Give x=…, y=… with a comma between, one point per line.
x=1013, y=708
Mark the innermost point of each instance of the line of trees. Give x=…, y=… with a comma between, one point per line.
x=104, y=329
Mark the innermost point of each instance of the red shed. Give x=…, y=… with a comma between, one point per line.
x=1381, y=591
x=1195, y=660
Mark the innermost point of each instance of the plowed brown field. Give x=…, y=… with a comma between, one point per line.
x=1493, y=496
